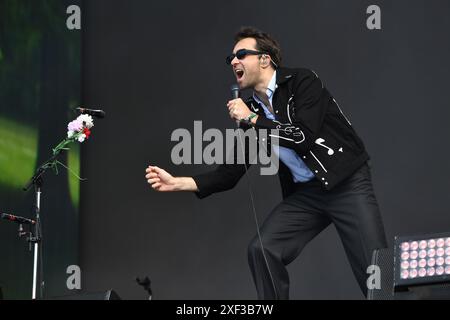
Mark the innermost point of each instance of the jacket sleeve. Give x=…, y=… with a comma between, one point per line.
x=225, y=176
x=308, y=105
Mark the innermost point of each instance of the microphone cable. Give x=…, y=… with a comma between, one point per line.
x=256, y=217
x=235, y=93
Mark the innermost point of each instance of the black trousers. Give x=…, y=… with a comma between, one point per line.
x=351, y=206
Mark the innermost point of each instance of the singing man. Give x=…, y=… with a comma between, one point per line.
x=324, y=172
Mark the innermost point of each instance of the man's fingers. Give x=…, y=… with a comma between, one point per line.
x=235, y=101
x=153, y=169
x=151, y=175
x=152, y=181
x=156, y=185
x=157, y=169
x=232, y=104
x=150, y=169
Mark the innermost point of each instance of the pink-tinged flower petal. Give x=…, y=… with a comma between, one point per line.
x=75, y=126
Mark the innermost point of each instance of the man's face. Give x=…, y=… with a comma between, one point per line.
x=247, y=70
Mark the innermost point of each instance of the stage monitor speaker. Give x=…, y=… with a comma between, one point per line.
x=108, y=295
x=384, y=259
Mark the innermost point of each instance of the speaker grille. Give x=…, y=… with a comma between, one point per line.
x=384, y=259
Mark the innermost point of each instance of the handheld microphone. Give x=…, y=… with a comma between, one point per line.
x=235, y=93
x=17, y=219
x=95, y=113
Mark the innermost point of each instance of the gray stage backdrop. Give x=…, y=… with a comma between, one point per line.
x=155, y=66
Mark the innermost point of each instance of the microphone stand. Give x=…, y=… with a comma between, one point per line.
x=35, y=238
x=78, y=129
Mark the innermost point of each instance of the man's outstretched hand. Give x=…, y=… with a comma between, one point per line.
x=161, y=180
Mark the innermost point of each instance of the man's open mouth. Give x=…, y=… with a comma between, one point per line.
x=239, y=73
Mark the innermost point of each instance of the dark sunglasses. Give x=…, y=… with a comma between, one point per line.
x=241, y=54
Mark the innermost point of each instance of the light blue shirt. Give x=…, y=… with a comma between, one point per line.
x=300, y=172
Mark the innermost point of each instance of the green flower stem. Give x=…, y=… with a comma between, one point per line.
x=58, y=149
x=71, y=171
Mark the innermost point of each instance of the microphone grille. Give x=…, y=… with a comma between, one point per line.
x=234, y=87
x=235, y=90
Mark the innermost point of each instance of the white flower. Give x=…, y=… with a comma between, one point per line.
x=86, y=120
x=81, y=138
x=70, y=134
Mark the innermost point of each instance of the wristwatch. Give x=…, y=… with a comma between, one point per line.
x=250, y=117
